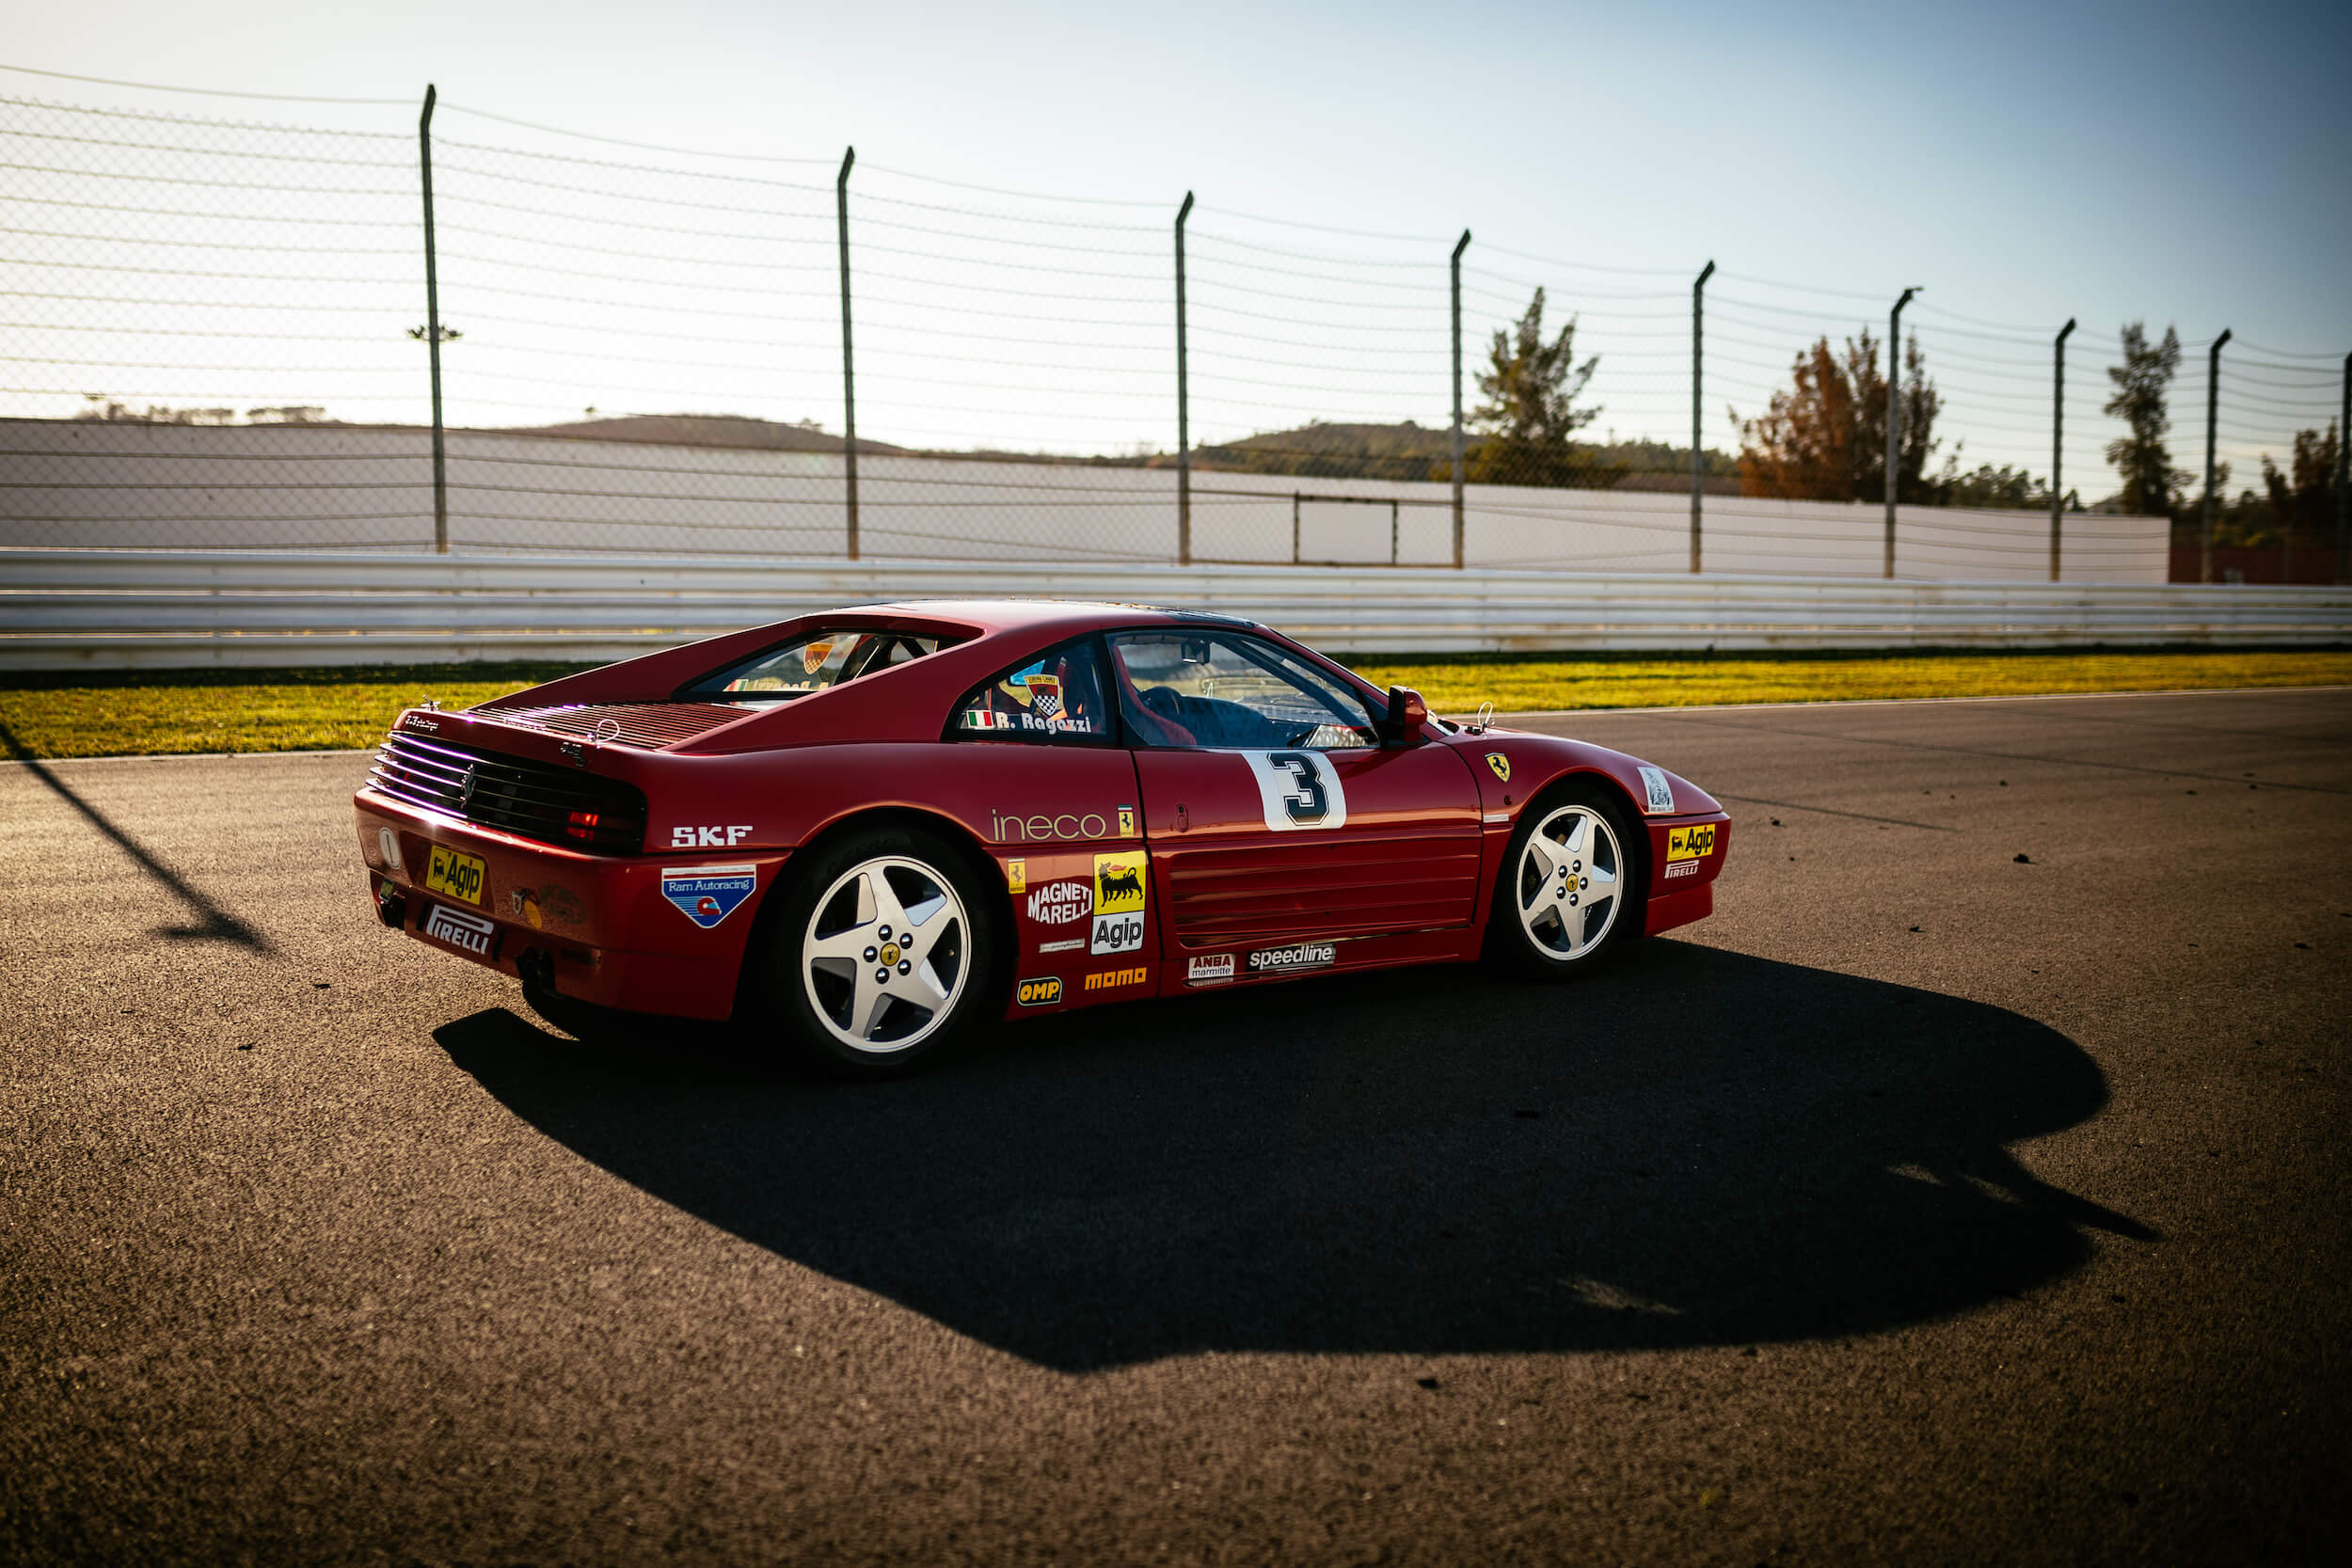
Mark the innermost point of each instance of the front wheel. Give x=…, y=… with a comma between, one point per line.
x=883, y=953
x=1570, y=889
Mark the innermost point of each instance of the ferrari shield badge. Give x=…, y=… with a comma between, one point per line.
x=1500, y=764
x=707, y=895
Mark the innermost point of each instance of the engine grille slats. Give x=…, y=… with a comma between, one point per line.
x=531, y=799
x=650, y=725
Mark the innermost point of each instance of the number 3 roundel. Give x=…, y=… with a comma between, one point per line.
x=1299, y=790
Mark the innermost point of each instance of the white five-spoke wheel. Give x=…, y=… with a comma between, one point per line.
x=886, y=955
x=1565, y=887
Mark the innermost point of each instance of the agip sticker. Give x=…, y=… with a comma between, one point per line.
x=707, y=895
x=1692, y=843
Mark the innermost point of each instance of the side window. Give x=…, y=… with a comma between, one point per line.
x=1194, y=689
x=1057, y=696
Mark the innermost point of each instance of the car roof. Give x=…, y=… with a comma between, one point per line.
x=992, y=616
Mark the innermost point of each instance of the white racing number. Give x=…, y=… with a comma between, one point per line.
x=1298, y=790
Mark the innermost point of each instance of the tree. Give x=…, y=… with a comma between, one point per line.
x=2151, y=485
x=2013, y=489
x=2303, y=500
x=1826, y=437
x=1530, y=412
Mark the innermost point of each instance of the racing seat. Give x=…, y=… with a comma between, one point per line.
x=1154, y=727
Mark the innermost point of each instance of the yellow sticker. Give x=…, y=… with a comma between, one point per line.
x=1111, y=979
x=455, y=873
x=1690, y=844
x=1126, y=821
x=1040, y=993
x=1500, y=764
x=1016, y=876
x=1119, y=881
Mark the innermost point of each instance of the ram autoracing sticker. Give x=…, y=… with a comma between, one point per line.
x=1298, y=790
x=1120, y=903
x=707, y=895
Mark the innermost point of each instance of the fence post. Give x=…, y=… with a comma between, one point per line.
x=848, y=360
x=1183, y=404
x=432, y=328
x=2213, y=416
x=1698, y=366
x=2343, y=470
x=1894, y=416
x=1459, y=247
x=2058, y=437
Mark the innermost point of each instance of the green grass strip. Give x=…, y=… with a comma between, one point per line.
x=153, y=713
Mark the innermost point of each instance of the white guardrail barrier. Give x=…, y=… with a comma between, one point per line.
x=74, y=609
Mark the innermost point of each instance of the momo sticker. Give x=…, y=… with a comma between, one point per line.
x=1658, y=794
x=1111, y=979
x=1119, y=882
x=1298, y=790
x=707, y=895
x=1696, y=841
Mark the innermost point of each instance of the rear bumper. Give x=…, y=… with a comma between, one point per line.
x=599, y=928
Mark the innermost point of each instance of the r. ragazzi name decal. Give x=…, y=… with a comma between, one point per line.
x=1301, y=955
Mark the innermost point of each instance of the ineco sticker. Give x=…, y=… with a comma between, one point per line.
x=707, y=895
x=1694, y=842
x=1298, y=790
x=1060, y=903
x=1659, y=793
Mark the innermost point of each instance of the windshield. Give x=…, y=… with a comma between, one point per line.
x=811, y=663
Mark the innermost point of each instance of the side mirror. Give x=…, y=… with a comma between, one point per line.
x=1407, y=713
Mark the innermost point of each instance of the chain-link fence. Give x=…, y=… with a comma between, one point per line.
x=219, y=333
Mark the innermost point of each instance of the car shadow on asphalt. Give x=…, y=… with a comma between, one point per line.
x=1695, y=1148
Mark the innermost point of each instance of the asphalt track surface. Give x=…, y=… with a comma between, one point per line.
x=1924, y=1206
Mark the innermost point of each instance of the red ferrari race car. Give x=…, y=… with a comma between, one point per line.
x=870, y=832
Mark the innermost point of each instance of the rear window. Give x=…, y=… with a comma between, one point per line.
x=814, y=662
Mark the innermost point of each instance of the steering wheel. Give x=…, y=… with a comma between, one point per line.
x=1166, y=701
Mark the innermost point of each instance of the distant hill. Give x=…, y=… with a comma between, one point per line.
x=708, y=430
x=1410, y=451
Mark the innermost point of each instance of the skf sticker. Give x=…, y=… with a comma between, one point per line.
x=1111, y=979
x=1298, y=790
x=1694, y=842
x=1208, y=968
x=1058, y=903
x=1500, y=764
x=707, y=895
x=1016, y=876
x=708, y=838
x=1119, y=882
x=1659, y=793
x=1683, y=868
x=1040, y=993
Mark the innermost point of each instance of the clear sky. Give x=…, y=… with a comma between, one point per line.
x=2022, y=163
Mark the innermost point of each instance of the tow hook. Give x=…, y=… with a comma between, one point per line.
x=390, y=907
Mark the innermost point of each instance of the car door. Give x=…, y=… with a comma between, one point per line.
x=1273, y=814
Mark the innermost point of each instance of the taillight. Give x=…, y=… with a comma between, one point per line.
x=582, y=824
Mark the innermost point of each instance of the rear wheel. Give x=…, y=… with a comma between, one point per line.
x=1570, y=889
x=883, y=953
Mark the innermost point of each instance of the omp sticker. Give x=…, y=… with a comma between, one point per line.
x=1298, y=790
x=455, y=873
x=707, y=895
x=468, y=933
x=1209, y=968
x=1683, y=868
x=1040, y=993
x=1300, y=954
x=1661, y=794
x=1119, y=882
x=1500, y=764
x=1016, y=876
x=1694, y=842
x=1060, y=903
x=1110, y=979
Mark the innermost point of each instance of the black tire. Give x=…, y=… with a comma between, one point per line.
x=926, y=995
x=1549, y=944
